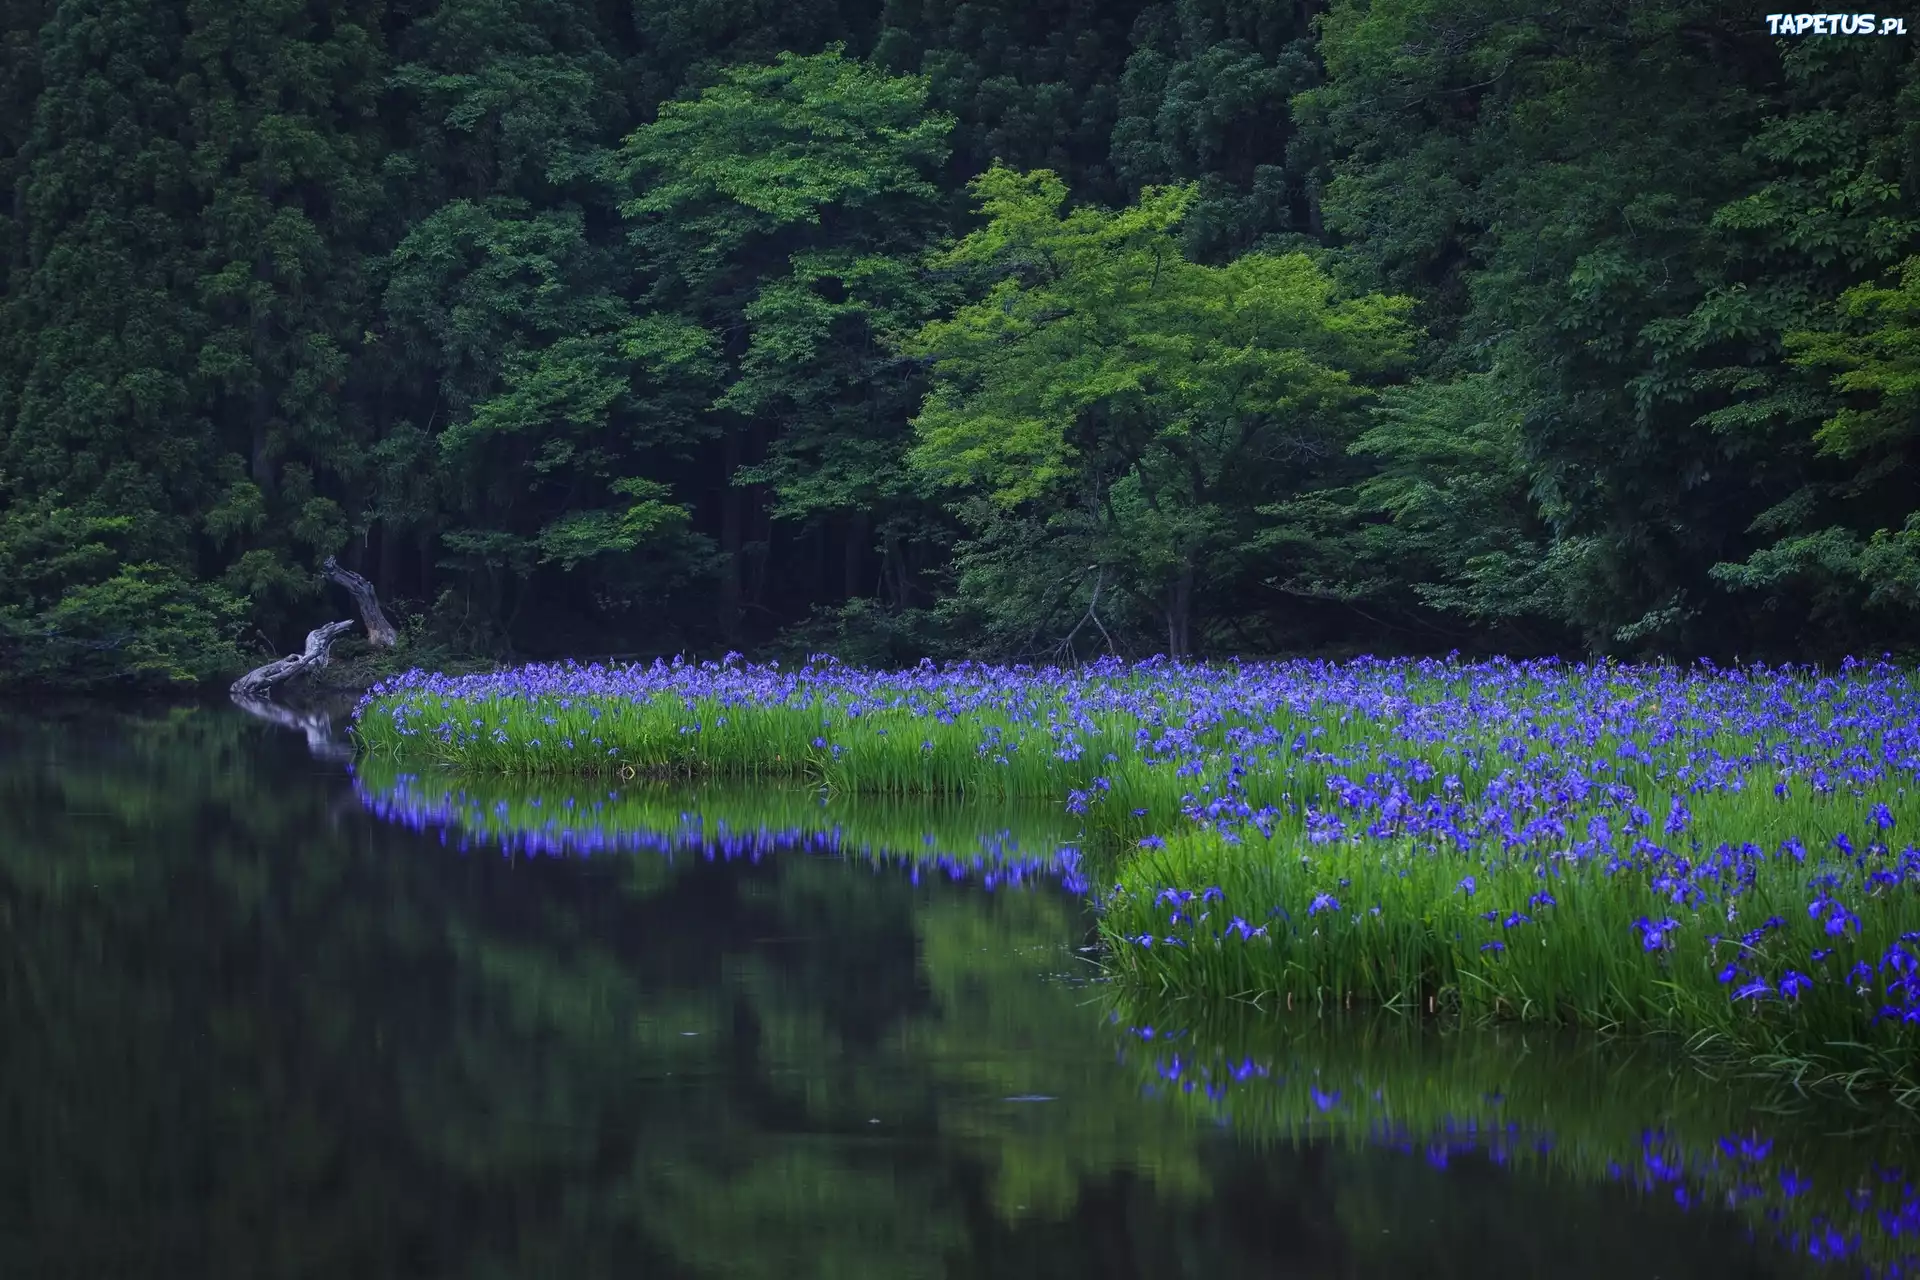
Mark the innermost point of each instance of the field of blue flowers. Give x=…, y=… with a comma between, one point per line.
x=1724, y=854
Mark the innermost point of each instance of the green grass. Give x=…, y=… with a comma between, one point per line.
x=1407, y=936
x=882, y=751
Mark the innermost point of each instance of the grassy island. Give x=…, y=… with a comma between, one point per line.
x=1724, y=854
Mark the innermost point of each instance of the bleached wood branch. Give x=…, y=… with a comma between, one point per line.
x=257, y=682
x=380, y=632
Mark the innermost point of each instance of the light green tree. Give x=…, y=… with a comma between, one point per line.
x=1130, y=410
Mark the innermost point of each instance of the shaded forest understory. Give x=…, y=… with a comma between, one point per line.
x=937, y=327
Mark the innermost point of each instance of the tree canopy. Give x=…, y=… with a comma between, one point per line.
x=957, y=328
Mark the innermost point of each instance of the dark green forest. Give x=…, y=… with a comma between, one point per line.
x=1030, y=329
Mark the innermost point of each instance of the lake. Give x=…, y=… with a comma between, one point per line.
x=267, y=1016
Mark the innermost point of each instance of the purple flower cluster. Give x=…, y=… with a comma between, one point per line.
x=1552, y=774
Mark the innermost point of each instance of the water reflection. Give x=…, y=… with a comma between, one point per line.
x=1827, y=1183
x=248, y=1025
x=319, y=725
x=992, y=845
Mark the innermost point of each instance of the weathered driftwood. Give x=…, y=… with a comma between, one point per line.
x=319, y=649
x=380, y=632
x=316, y=725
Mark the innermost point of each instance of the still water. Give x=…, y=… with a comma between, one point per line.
x=267, y=1017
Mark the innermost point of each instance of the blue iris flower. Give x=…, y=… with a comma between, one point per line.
x=1656, y=935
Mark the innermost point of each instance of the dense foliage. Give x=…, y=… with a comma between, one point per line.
x=912, y=327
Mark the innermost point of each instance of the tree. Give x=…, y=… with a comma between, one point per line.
x=1873, y=354
x=1435, y=537
x=1030, y=83
x=780, y=212
x=1147, y=404
x=107, y=458
x=1207, y=98
x=281, y=149
x=188, y=207
x=1619, y=213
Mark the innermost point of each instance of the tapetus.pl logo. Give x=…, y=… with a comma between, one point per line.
x=1834, y=24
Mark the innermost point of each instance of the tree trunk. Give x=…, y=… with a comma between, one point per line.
x=818, y=562
x=896, y=570
x=380, y=632
x=1180, y=613
x=260, y=335
x=856, y=555
x=386, y=563
x=760, y=561
x=732, y=521
x=259, y=681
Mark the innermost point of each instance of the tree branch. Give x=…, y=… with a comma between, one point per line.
x=380, y=632
x=257, y=682
x=1066, y=645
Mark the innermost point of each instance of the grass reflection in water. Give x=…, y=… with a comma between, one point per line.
x=1832, y=1183
x=992, y=845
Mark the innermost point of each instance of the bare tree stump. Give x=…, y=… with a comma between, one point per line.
x=380, y=632
x=258, y=681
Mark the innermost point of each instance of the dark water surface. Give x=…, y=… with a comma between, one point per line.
x=262, y=1018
